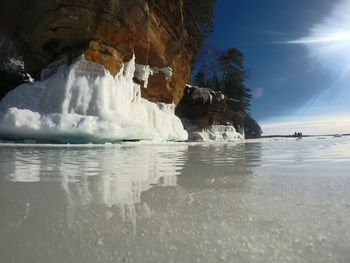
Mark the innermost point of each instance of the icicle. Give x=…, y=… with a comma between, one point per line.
x=84, y=102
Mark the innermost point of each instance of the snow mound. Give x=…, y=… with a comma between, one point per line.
x=83, y=102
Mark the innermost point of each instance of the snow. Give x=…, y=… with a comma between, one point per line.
x=15, y=66
x=142, y=73
x=203, y=93
x=83, y=102
x=166, y=71
x=216, y=133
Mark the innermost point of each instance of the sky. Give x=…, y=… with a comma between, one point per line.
x=298, y=55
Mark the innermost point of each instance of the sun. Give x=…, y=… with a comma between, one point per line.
x=328, y=46
x=329, y=40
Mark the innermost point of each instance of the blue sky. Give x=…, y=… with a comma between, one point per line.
x=288, y=80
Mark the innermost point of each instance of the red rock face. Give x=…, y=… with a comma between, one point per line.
x=160, y=33
x=105, y=55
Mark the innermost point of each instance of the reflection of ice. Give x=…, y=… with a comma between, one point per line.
x=22, y=174
x=114, y=176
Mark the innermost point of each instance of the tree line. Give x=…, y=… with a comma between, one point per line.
x=224, y=70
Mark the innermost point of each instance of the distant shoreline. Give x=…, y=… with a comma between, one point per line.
x=292, y=136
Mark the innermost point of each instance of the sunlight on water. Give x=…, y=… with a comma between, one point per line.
x=268, y=200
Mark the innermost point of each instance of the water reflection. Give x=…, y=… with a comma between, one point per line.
x=249, y=202
x=116, y=176
x=225, y=166
x=113, y=176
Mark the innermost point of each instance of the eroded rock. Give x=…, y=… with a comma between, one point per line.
x=204, y=107
x=160, y=33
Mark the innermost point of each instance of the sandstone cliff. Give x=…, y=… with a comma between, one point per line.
x=160, y=33
x=205, y=107
x=202, y=107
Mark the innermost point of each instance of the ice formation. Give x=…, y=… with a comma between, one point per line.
x=83, y=102
x=166, y=71
x=142, y=73
x=216, y=133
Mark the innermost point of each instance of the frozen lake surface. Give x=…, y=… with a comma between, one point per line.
x=269, y=200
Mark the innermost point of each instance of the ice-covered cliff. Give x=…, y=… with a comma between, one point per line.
x=83, y=102
x=126, y=64
x=209, y=115
x=162, y=33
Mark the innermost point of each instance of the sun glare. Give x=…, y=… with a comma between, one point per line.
x=329, y=40
x=328, y=43
x=323, y=37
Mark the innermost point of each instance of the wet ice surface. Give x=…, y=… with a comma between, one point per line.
x=272, y=200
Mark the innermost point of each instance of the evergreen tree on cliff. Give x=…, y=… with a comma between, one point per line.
x=200, y=78
x=234, y=75
x=225, y=71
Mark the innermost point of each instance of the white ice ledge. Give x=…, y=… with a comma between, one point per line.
x=83, y=102
x=216, y=133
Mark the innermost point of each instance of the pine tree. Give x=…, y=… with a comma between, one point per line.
x=214, y=82
x=200, y=79
x=234, y=75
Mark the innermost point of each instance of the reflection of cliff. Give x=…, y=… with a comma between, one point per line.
x=81, y=205
x=213, y=174
x=111, y=176
x=220, y=166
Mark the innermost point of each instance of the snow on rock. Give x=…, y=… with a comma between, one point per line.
x=216, y=133
x=83, y=102
x=166, y=71
x=16, y=67
x=208, y=122
x=142, y=73
x=203, y=93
